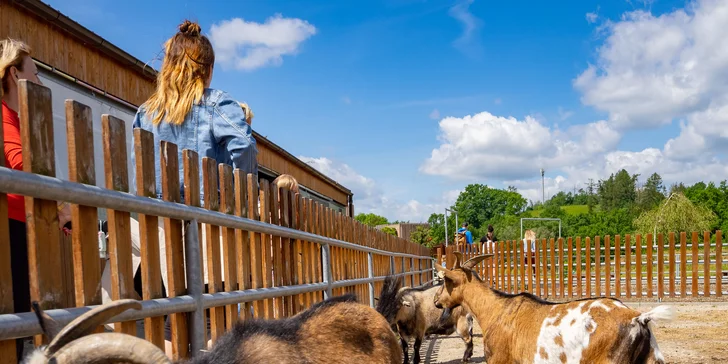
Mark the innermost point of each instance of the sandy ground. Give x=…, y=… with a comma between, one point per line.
x=698, y=334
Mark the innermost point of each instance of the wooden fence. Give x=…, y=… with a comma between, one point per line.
x=684, y=265
x=67, y=272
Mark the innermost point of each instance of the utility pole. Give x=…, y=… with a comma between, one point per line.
x=543, y=188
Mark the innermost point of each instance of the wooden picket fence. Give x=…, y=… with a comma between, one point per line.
x=67, y=272
x=632, y=267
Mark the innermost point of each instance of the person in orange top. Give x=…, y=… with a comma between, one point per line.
x=15, y=65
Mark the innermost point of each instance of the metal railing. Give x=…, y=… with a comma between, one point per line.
x=20, y=325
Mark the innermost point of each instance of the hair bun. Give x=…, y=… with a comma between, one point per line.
x=190, y=28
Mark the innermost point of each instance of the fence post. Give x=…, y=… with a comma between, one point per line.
x=412, y=267
x=194, y=288
x=370, y=264
x=326, y=263
x=391, y=264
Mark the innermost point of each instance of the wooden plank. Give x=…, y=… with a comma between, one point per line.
x=695, y=264
x=683, y=264
x=660, y=265
x=256, y=244
x=719, y=263
x=628, y=265
x=650, y=242
x=242, y=238
x=578, y=268
x=307, y=249
x=598, y=265
x=148, y=233
x=638, y=265
x=561, y=267
x=545, y=267
x=570, y=274
x=501, y=265
x=174, y=248
x=587, y=245
x=276, y=249
x=82, y=169
x=706, y=264
x=191, y=172
x=119, y=241
x=508, y=272
x=297, y=263
x=286, y=244
x=267, y=244
x=671, y=264
x=44, y=248
x=497, y=260
x=212, y=241
x=522, y=265
x=7, y=347
x=553, y=266
x=607, y=266
x=229, y=251
x=618, y=266
x=529, y=252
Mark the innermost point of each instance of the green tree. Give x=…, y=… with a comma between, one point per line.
x=618, y=191
x=677, y=214
x=652, y=194
x=421, y=236
x=389, y=230
x=480, y=203
x=371, y=219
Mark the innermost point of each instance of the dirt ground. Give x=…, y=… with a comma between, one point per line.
x=698, y=334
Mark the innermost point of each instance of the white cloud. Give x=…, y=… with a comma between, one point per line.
x=435, y=114
x=565, y=114
x=468, y=41
x=369, y=197
x=653, y=69
x=592, y=17
x=247, y=45
x=489, y=146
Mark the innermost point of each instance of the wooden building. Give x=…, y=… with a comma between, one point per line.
x=75, y=63
x=405, y=229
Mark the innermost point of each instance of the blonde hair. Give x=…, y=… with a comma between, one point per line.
x=12, y=54
x=248, y=112
x=187, y=64
x=529, y=235
x=286, y=181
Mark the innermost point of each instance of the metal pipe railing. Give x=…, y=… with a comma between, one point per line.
x=20, y=325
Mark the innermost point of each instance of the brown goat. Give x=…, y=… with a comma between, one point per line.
x=330, y=331
x=523, y=328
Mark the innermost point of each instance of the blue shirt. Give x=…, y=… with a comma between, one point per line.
x=468, y=235
x=214, y=128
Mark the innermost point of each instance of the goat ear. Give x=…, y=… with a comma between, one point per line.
x=443, y=272
x=470, y=264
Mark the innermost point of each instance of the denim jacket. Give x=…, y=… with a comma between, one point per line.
x=214, y=128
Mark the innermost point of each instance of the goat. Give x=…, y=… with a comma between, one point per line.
x=412, y=314
x=523, y=328
x=336, y=329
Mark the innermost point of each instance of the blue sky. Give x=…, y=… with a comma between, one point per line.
x=407, y=101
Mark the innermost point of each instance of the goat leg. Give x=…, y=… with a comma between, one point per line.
x=416, y=349
x=468, y=351
x=404, y=349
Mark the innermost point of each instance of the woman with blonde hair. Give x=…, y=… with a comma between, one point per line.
x=16, y=64
x=287, y=181
x=184, y=110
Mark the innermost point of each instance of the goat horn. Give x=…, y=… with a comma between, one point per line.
x=470, y=264
x=110, y=348
x=89, y=321
x=458, y=259
x=49, y=326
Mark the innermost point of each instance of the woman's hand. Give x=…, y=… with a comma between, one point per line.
x=64, y=214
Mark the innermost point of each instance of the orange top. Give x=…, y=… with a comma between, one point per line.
x=13, y=158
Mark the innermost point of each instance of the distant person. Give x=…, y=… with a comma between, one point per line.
x=287, y=181
x=489, y=239
x=468, y=234
x=530, y=235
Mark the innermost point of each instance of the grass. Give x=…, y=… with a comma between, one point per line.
x=571, y=210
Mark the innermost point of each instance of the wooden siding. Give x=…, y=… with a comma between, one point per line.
x=273, y=160
x=53, y=46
